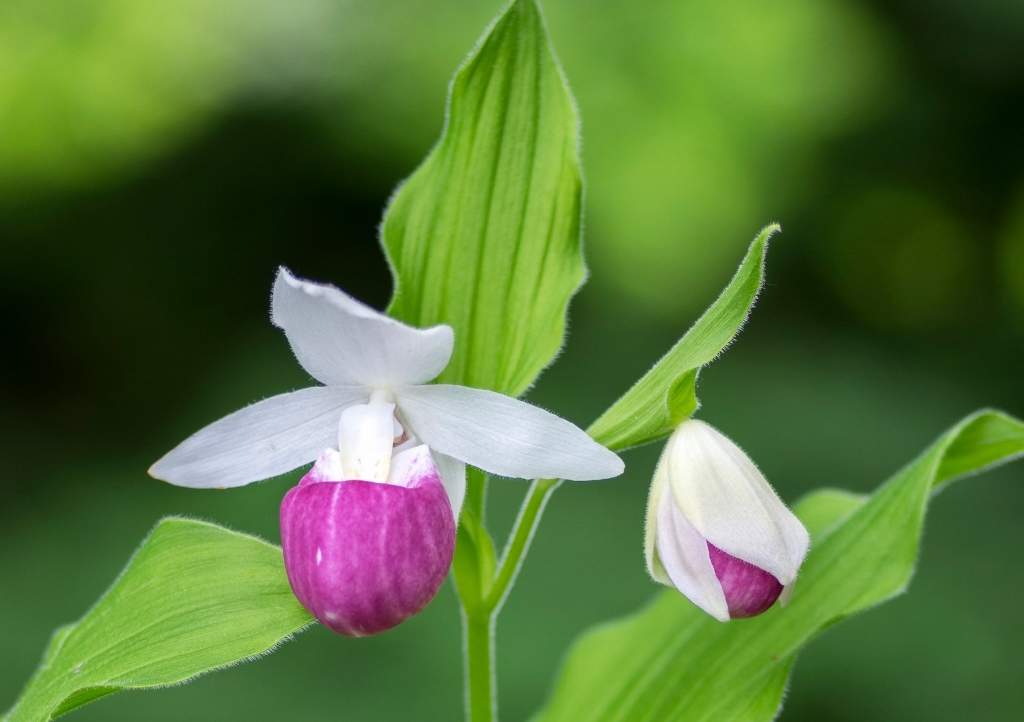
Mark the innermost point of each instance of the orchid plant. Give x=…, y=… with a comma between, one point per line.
x=419, y=406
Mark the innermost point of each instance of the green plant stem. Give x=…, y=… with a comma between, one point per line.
x=482, y=697
x=481, y=605
x=519, y=540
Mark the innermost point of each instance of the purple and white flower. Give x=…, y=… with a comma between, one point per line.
x=716, y=530
x=369, y=532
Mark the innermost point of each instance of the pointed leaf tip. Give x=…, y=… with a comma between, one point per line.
x=485, y=235
x=665, y=396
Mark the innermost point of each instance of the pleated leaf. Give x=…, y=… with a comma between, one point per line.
x=665, y=395
x=485, y=235
x=194, y=598
x=673, y=662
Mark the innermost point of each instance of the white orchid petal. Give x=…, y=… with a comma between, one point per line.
x=659, y=487
x=683, y=553
x=502, y=435
x=261, y=441
x=787, y=593
x=729, y=502
x=453, y=475
x=339, y=340
x=327, y=467
x=411, y=466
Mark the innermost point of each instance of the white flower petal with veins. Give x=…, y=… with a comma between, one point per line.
x=362, y=356
x=502, y=435
x=261, y=441
x=340, y=341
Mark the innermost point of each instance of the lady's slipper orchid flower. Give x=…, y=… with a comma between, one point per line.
x=369, y=532
x=716, y=530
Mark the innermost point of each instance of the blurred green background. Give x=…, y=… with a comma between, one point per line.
x=159, y=159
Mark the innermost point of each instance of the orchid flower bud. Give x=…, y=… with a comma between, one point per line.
x=368, y=536
x=716, y=530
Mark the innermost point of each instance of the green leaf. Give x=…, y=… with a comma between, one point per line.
x=673, y=662
x=485, y=235
x=823, y=509
x=666, y=394
x=194, y=598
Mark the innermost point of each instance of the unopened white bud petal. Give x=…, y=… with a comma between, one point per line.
x=752, y=546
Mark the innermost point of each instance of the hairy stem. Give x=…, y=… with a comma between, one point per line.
x=489, y=588
x=519, y=540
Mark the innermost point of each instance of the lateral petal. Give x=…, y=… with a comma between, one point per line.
x=502, y=435
x=260, y=441
x=341, y=341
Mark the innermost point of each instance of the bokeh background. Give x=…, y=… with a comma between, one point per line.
x=159, y=159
